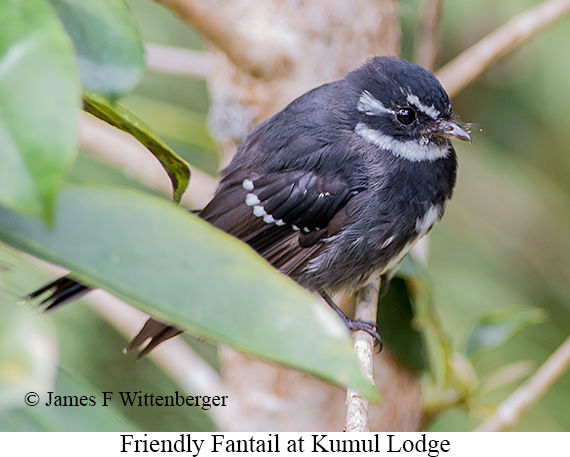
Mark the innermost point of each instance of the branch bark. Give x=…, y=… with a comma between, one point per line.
x=426, y=48
x=259, y=59
x=366, y=309
x=471, y=63
x=522, y=399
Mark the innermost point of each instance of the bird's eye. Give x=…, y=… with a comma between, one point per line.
x=406, y=115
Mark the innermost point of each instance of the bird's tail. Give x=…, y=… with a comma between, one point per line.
x=61, y=291
x=65, y=289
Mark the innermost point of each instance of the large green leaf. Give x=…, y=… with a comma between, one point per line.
x=39, y=100
x=180, y=269
x=118, y=116
x=38, y=353
x=107, y=42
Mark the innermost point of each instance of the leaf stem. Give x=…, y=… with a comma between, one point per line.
x=522, y=399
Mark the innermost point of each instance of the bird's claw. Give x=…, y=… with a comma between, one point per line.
x=366, y=326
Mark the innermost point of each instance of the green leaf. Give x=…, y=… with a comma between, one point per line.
x=171, y=264
x=436, y=344
x=107, y=42
x=396, y=325
x=500, y=325
x=118, y=116
x=35, y=346
x=39, y=97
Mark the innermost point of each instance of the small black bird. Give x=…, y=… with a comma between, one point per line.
x=336, y=188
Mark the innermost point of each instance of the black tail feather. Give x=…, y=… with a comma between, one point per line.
x=61, y=291
x=154, y=330
x=65, y=289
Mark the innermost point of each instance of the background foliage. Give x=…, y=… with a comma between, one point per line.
x=500, y=254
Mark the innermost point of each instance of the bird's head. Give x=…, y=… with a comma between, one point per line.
x=404, y=109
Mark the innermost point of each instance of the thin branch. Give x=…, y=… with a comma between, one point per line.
x=426, y=48
x=178, y=61
x=122, y=151
x=462, y=70
x=366, y=309
x=522, y=399
x=259, y=59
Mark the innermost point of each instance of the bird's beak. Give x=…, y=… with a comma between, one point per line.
x=449, y=129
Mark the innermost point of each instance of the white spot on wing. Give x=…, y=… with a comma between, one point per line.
x=268, y=219
x=428, y=110
x=251, y=200
x=258, y=211
x=367, y=104
x=247, y=184
x=279, y=223
x=411, y=150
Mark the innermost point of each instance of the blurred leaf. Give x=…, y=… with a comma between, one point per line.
x=107, y=42
x=182, y=270
x=395, y=324
x=77, y=339
x=498, y=326
x=28, y=351
x=118, y=116
x=39, y=97
x=451, y=378
x=426, y=320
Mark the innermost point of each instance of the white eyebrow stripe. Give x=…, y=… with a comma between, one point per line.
x=428, y=110
x=367, y=104
x=414, y=151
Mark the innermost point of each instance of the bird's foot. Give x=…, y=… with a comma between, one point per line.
x=366, y=326
x=356, y=324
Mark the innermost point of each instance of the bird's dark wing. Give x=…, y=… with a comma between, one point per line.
x=283, y=216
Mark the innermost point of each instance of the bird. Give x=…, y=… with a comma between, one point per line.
x=335, y=189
